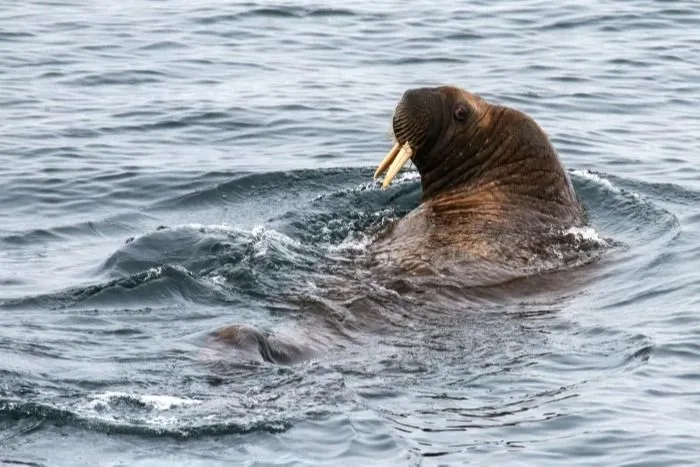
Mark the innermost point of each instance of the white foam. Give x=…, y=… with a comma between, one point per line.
x=258, y=232
x=156, y=272
x=263, y=232
x=218, y=279
x=352, y=244
x=407, y=177
x=151, y=410
x=586, y=234
x=264, y=238
x=152, y=401
x=260, y=235
x=164, y=402
x=596, y=178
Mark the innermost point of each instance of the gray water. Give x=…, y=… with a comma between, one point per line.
x=172, y=167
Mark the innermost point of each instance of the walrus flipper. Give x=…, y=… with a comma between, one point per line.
x=251, y=345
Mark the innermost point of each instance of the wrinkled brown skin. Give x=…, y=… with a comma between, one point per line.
x=495, y=198
x=494, y=192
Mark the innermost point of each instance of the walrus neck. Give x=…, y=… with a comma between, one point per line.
x=513, y=169
x=464, y=160
x=525, y=175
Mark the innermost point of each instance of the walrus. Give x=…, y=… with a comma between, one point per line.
x=496, y=203
x=495, y=196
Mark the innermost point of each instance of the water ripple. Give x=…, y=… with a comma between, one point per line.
x=169, y=169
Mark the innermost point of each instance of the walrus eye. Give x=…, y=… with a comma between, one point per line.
x=460, y=113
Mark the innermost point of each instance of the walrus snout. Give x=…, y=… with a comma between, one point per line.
x=414, y=116
x=417, y=119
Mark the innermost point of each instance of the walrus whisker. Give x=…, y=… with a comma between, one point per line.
x=404, y=156
x=386, y=162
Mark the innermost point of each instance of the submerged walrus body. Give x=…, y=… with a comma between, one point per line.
x=496, y=200
x=496, y=205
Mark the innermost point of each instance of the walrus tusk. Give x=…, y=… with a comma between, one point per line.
x=400, y=160
x=386, y=162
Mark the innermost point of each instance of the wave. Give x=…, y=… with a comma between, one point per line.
x=333, y=215
x=146, y=415
x=275, y=12
x=99, y=401
x=146, y=287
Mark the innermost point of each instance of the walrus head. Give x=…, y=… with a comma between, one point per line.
x=458, y=140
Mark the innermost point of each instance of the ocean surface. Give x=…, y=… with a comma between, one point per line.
x=171, y=167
